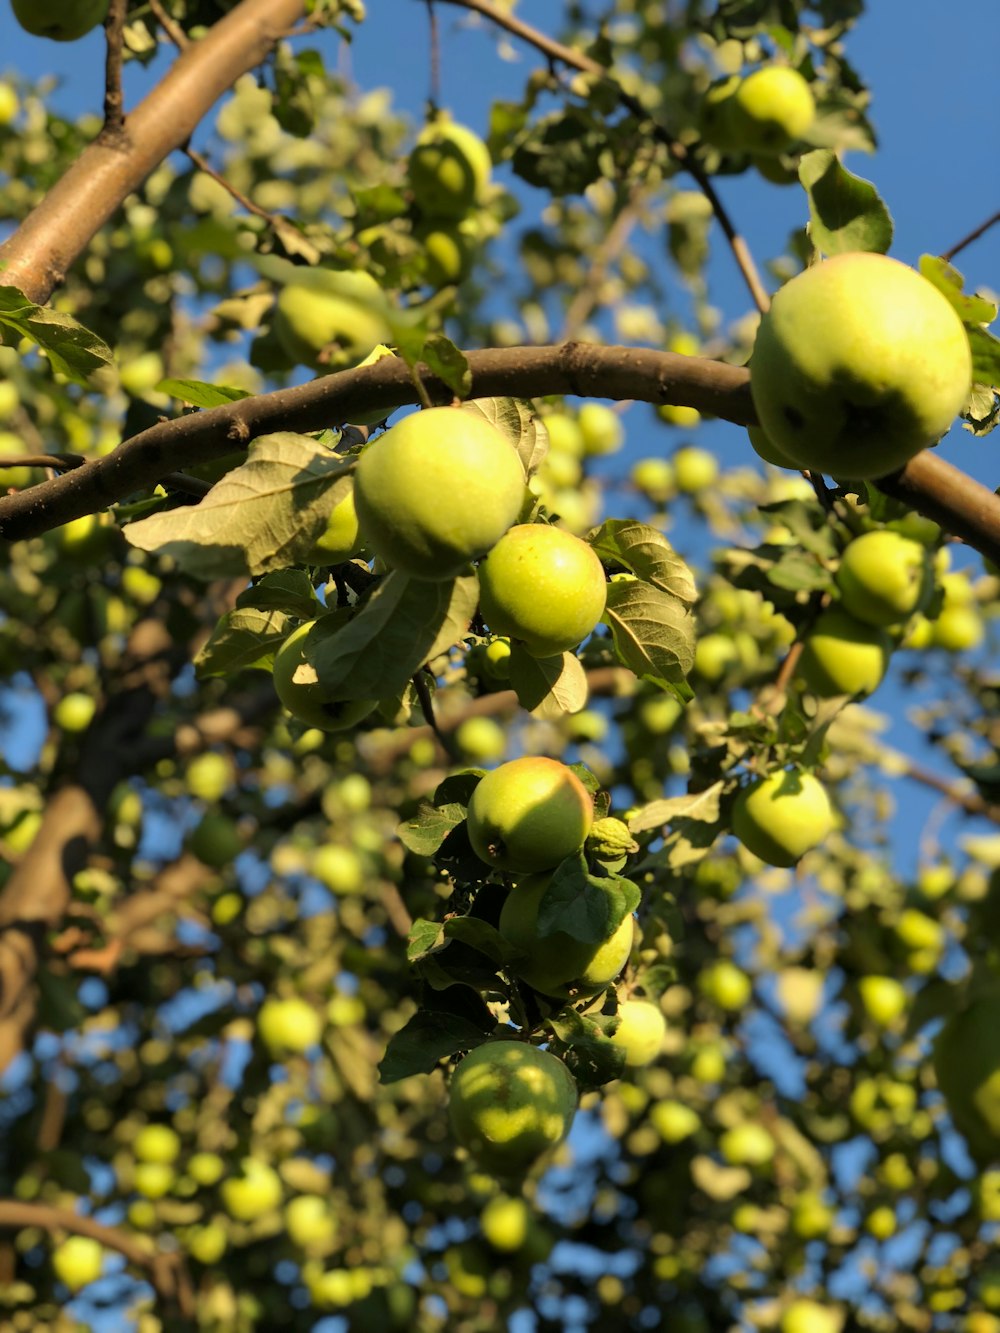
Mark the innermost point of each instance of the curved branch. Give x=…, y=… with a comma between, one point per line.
x=165, y=1269
x=56, y=233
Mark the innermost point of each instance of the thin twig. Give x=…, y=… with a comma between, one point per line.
x=607, y=252
x=202, y=163
x=173, y=30
x=973, y=235
x=57, y=462
x=435, y=61
x=556, y=51
x=114, y=106
x=423, y=689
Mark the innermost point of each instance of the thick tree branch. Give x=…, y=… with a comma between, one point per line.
x=57, y=232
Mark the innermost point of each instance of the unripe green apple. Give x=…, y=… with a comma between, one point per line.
x=340, y=869
x=811, y=1218
x=957, y=629
x=858, y=365
x=804, y=1316
x=884, y=999
x=884, y=578
x=206, y=1168
x=154, y=1179
x=529, y=814
x=800, y=992
x=207, y=1244
x=77, y=1261
x=695, y=470
x=770, y=109
x=782, y=816
x=673, y=1121
x=505, y=1222
x=748, y=1144
x=256, y=1191
x=565, y=435
x=449, y=170
x=543, y=588
x=209, y=776
x=157, y=1143
x=480, y=738
x=654, y=477
x=330, y=320
x=341, y=539
x=881, y=1222
x=714, y=654
x=765, y=448
x=640, y=1031
x=842, y=655
x=447, y=254
x=508, y=1103
x=62, y=21
x=726, y=985
x=305, y=697
x=345, y=1011
x=309, y=1221
x=86, y=539
x=437, y=491
x=141, y=585
x=601, y=428
x=74, y=712
x=288, y=1025
x=216, y=841
x=559, y=965
x=9, y=107
x=967, y=1065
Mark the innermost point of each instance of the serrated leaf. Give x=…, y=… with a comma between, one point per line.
x=428, y=1037
x=288, y=590
x=985, y=357
x=72, y=350
x=702, y=807
x=199, y=394
x=243, y=638
x=583, y=906
x=548, y=687
x=845, y=212
x=262, y=516
x=588, y=1051
x=948, y=281
x=425, y=831
x=653, y=634
x=422, y=938
x=448, y=363
x=400, y=625
x=647, y=553
x=517, y=420
x=798, y=571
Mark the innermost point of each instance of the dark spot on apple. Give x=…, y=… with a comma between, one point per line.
x=794, y=417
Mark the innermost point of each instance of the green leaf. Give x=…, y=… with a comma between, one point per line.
x=646, y=552
x=424, y=832
x=653, y=634
x=287, y=590
x=243, y=638
x=971, y=309
x=548, y=687
x=985, y=357
x=401, y=624
x=585, y=1045
x=561, y=153
x=583, y=906
x=199, y=394
x=262, y=516
x=428, y=1038
x=702, y=807
x=478, y=934
x=448, y=363
x=845, y=212
x=422, y=938
x=517, y=420
x=73, y=350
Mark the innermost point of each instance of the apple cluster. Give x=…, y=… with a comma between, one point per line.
x=448, y=173
x=765, y=114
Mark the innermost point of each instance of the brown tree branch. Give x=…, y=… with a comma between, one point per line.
x=61, y=227
x=566, y=55
x=173, y=30
x=114, y=105
x=164, y=1268
x=973, y=235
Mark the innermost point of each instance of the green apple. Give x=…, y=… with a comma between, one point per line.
x=565, y=435
x=748, y=1144
x=74, y=712
x=782, y=816
x=695, y=470
x=842, y=655
x=254, y=1192
x=15, y=478
x=62, y=21
x=967, y=1065
x=811, y=1218
x=957, y=629
x=726, y=985
x=770, y=109
x=141, y=585
x=601, y=428
x=437, y=491
x=481, y=739
x=340, y=869
x=529, y=814
x=881, y=1222
x=508, y=1103
x=302, y=692
x=9, y=107
x=206, y=1168
x=543, y=588
x=77, y=1261
x=289, y=1025
x=640, y=1031
x=341, y=539
x=157, y=1143
x=207, y=1243
x=884, y=999
x=329, y=319
x=765, y=448
x=86, y=539
x=448, y=254
x=309, y=1221
x=884, y=578
x=800, y=993
x=216, y=841
x=210, y=775
x=714, y=654
x=858, y=365
x=345, y=1011
x=654, y=477
x=505, y=1222
x=804, y=1316
x=674, y=1121
x=559, y=965
x=449, y=169
x=154, y=1179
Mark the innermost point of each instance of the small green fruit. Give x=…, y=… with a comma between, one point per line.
x=289, y=1025
x=842, y=655
x=61, y=21
x=74, y=712
x=543, y=588
x=209, y=776
x=480, y=738
x=510, y=1102
x=654, y=477
x=256, y=1191
x=216, y=841
x=770, y=109
x=340, y=869
x=748, y=1144
x=330, y=320
x=640, y=1032
x=505, y=1223
x=341, y=539
x=782, y=816
x=601, y=428
x=967, y=1065
x=695, y=470
x=154, y=1179
x=884, y=999
x=301, y=692
x=726, y=985
x=309, y=1221
x=77, y=1261
x=157, y=1143
x=884, y=578
x=207, y=1244
x=206, y=1168
x=9, y=107
x=673, y=1121
x=529, y=814
x=449, y=170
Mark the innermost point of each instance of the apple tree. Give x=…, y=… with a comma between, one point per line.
x=455, y=869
